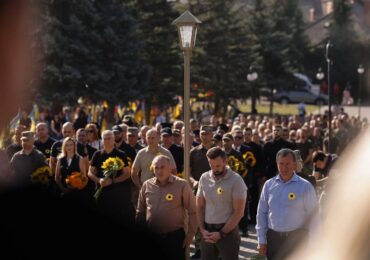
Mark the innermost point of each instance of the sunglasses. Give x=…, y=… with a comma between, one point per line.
x=238, y=137
x=89, y=131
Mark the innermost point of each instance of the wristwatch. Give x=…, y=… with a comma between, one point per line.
x=222, y=234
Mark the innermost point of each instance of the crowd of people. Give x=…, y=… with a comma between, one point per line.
x=248, y=146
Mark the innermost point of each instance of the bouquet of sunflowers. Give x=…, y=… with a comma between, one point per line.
x=250, y=161
x=77, y=180
x=110, y=168
x=41, y=175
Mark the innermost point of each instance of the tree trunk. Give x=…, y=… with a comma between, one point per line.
x=110, y=116
x=148, y=108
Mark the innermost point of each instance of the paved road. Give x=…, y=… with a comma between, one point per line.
x=248, y=246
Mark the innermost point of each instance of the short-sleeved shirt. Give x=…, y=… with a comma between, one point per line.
x=129, y=151
x=100, y=156
x=45, y=148
x=144, y=159
x=162, y=207
x=198, y=161
x=56, y=149
x=219, y=195
x=84, y=150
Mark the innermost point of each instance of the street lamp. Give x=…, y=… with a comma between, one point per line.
x=328, y=61
x=252, y=76
x=360, y=71
x=187, y=28
x=320, y=76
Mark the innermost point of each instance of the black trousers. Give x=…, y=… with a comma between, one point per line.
x=171, y=244
x=281, y=244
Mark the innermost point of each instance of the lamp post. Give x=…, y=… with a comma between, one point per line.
x=187, y=28
x=320, y=76
x=360, y=71
x=252, y=76
x=328, y=61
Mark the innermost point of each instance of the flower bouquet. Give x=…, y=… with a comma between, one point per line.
x=110, y=168
x=250, y=161
x=180, y=175
x=41, y=175
x=77, y=180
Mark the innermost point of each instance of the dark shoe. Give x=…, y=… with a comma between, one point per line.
x=196, y=255
x=245, y=234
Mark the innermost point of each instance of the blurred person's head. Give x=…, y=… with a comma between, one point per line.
x=132, y=135
x=285, y=134
x=81, y=136
x=193, y=124
x=217, y=160
x=166, y=137
x=124, y=131
x=162, y=168
x=277, y=132
x=206, y=134
x=178, y=125
x=286, y=163
x=152, y=138
x=118, y=133
x=42, y=131
x=255, y=136
x=68, y=147
x=142, y=134
x=292, y=135
x=108, y=140
x=177, y=136
x=18, y=133
x=28, y=140
x=238, y=137
x=67, y=130
x=92, y=132
x=227, y=142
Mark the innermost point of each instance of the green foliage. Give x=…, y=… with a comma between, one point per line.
x=89, y=43
x=160, y=52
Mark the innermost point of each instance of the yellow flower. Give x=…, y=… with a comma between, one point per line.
x=249, y=159
x=169, y=197
x=41, y=175
x=108, y=163
x=291, y=196
x=219, y=191
x=120, y=163
x=233, y=162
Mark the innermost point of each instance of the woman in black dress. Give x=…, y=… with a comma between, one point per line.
x=69, y=162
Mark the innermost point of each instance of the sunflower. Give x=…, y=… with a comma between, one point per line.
x=233, y=162
x=119, y=163
x=219, y=191
x=291, y=196
x=169, y=197
x=41, y=175
x=249, y=159
x=108, y=163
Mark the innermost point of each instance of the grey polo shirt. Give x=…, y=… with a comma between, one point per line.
x=144, y=159
x=219, y=195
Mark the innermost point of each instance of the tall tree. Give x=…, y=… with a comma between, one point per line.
x=89, y=48
x=222, y=56
x=346, y=51
x=160, y=53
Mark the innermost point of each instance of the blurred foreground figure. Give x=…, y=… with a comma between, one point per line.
x=345, y=230
x=27, y=210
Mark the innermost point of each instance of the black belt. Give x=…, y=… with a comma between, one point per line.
x=287, y=234
x=213, y=227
